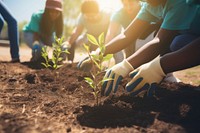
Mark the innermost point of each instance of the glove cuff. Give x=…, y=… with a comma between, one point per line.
x=157, y=66
x=126, y=67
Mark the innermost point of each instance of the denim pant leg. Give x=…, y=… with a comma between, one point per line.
x=182, y=40
x=29, y=39
x=12, y=30
x=33, y=44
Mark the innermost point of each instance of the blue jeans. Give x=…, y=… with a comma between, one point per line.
x=30, y=41
x=12, y=29
x=182, y=40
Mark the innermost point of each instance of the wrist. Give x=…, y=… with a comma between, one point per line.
x=126, y=67
x=156, y=65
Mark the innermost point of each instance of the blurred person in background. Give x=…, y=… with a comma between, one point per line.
x=175, y=21
x=151, y=63
x=5, y=14
x=120, y=21
x=92, y=20
x=43, y=27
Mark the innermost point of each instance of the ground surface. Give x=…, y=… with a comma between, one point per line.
x=35, y=100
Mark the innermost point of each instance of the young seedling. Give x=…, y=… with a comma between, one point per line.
x=96, y=79
x=58, y=50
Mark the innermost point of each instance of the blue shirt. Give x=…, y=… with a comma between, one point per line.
x=123, y=18
x=34, y=24
x=176, y=14
x=96, y=28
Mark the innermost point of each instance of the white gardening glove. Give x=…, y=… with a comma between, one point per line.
x=145, y=77
x=115, y=75
x=86, y=64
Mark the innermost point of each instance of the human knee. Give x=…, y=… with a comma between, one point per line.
x=12, y=22
x=181, y=41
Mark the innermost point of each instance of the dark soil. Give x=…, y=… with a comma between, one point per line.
x=39, y=100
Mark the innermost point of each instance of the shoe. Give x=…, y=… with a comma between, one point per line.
x=171, y=78
x=15, y=60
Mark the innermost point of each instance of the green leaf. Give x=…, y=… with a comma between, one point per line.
x=103, y=49
x=60, y=59
x=86, y=47
x=101, y=39
x=92, y=39
x=97, y=64
x=66, y=51
x=89, y=81
x=95, y=57
x=107, y=57
x=44, y=65
x=59, y=50
x=101, y=57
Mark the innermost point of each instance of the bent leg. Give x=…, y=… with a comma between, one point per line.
x=12, y=30
x=182, y=40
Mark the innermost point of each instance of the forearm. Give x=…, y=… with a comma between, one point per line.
x=113, y=30
x=158, y=46
x=73, y=39
x=77, y=31
x=145, y=54
x=187, y=57
x=118, y=43
x=131, y=33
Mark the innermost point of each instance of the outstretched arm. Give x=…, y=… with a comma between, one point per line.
x=158, y=46
x=113, y=30
x=145, y=77
x=77, y=31
x=188, y=56
x=131, y=33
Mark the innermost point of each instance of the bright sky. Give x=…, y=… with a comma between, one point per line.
x=23, y=9
x=111, y=4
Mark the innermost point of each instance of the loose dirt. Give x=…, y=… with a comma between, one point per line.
x=38, y=100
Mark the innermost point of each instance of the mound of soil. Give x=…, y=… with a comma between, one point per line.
x=40, y=100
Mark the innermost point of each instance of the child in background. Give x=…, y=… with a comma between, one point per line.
x=92, y=20
x=119, y=21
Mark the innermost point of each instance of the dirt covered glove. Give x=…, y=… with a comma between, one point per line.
x=86, y=63
x=114, y=76
x=36, y=53
x=145, y=78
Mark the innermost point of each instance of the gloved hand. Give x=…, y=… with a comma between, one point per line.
x=36, y=53
x=116, y=74
x=86, y=63
x=64, y=48
x=145, y=78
